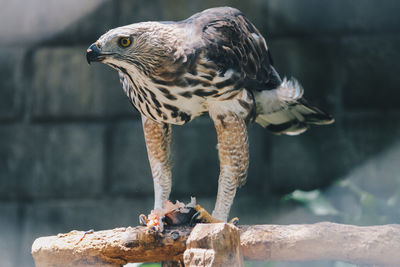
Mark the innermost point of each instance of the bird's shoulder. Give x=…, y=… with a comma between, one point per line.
x=228, y=39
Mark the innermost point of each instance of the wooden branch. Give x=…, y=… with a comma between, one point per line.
x=379, y=245
x=110, y=247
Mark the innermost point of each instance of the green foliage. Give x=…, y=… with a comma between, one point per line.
x=314, y=201
x=368, y=204
x=350, y=203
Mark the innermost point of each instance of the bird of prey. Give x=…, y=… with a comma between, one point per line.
x=215, y=62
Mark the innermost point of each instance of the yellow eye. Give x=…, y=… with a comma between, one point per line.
x=124, y=41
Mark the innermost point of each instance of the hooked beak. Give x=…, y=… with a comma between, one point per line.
x=93, y=54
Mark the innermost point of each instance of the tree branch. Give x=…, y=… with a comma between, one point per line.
x=378, y=245
x=323, y=241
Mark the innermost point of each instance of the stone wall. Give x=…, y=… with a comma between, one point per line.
x=72, y=153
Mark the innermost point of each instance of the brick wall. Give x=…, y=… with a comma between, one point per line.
x=72, y=153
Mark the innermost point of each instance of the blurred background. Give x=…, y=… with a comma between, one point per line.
x=72, y=152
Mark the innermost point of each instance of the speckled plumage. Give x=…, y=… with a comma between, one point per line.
x=214, y=62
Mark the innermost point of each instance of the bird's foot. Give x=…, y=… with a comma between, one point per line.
x=203, y=216
x=178, y=214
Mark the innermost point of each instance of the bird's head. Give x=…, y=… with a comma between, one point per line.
x=145, y=46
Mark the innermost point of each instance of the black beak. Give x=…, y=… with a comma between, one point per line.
x=93, y=54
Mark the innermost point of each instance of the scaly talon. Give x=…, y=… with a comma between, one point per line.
x=204, y=217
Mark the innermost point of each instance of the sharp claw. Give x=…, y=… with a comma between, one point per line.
x=143, y=220
x=234, y=221
x=194, y=218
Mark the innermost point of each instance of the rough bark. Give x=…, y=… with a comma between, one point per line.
x=375, y=245
x=110, y=247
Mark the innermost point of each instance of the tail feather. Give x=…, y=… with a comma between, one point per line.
x=285, y=111
x=317, y=115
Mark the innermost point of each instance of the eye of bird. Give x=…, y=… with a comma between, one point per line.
x=124, y=41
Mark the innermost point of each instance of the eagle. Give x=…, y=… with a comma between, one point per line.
x=215, y=62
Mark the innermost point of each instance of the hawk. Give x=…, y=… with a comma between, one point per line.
x=215, y=62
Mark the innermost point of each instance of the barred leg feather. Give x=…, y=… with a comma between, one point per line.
x=158, y=139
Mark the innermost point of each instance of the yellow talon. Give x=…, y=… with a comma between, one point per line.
x=206, y=217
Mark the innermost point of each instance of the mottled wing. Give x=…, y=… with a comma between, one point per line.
x=233, y=42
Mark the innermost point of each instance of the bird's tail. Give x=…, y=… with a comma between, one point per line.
x=285, y=111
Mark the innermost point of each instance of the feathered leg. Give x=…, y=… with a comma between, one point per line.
x=233, y=151
x=158, y=139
